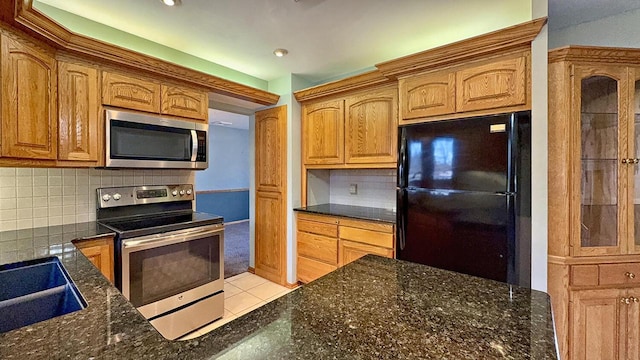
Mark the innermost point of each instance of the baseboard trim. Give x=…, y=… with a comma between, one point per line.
x=251, y=270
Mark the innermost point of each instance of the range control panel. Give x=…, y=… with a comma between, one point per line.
x=138, y=195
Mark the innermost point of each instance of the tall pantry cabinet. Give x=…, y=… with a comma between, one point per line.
x=594, y=201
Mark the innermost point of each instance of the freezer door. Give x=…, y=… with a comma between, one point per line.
x=467, y=154
x=468, y=232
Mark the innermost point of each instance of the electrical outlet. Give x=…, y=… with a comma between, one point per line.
x=353, y=189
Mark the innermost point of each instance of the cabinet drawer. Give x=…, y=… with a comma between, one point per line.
x=584, y=275
x=626, y=273
x=318, y=247
x=367, y=236
x=368, y=225
x=131, y=93
x=315, y=227
x=318, y=218
x=309, y=269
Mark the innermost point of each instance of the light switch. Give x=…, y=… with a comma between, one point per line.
x=353, y=189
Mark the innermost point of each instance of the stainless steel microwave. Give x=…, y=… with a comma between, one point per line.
x=151, y=141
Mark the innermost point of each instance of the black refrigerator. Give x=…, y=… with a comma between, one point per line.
x=464, y=196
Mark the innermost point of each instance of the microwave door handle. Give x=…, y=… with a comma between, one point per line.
x=194, y=145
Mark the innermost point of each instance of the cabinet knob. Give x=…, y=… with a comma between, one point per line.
x=636, y=300
x=635, y=161
x=624, y=161
x=630, y=275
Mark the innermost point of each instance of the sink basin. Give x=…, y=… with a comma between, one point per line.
x=34, y=291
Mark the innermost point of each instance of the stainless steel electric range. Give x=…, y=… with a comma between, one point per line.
x=169, y=259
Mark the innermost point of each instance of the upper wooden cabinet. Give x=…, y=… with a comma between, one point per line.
x=131, y=93
x=323, y=130
x=181, y=101
x=147, y=95
x=371, y=127
x=29, y=83
x=359, y=129
x=79, y=113
x=428, y=94
x=491, y=86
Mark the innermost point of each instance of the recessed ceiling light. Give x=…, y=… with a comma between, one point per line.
x=280, y=52
x=171, y=2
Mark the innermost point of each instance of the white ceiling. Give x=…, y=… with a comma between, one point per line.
x=564, y=13
x=325, y=38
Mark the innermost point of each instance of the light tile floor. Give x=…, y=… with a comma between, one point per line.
x=242, y=293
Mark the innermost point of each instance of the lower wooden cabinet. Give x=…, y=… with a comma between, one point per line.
x=326, y=243
x=100, y=252
x=605, y=324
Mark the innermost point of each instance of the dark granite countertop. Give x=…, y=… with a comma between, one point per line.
x=372, y=308
x=356, y=212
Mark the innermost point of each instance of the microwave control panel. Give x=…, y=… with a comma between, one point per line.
x=201, y=156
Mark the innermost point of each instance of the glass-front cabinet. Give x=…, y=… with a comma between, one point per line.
x=606, y=100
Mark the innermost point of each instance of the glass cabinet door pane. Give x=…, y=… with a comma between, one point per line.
x=599, y=161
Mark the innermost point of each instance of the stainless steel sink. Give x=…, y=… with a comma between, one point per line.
x=34, y=291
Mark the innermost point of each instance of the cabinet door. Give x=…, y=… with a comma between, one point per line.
x=309, y=269
x=632, y=328
x=428, y=95
x=271, y=185
x=495, y=85
x=600, y=109
x=372, y=127
x=100, y=253
x=29, y=124
x=595, y=324
x=323, y=133
x=634, y=170
x=271, y=149
x=270, y=236
x=130, y=93
x=180, y=101
x=351, y=251
x=79, y=109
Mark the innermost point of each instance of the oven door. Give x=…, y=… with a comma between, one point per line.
x=163, y=272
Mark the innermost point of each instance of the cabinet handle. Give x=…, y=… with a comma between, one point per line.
x=630, y=275
x=625, y=300
x=635, y=161
x=624, y=161
x=636, y=300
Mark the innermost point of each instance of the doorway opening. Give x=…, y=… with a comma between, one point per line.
x=223, y=188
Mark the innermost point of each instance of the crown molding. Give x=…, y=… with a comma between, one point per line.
x=610, y=55
x=29, y=19
x=368, y=79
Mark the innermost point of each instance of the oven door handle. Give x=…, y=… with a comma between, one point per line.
x=157, y=240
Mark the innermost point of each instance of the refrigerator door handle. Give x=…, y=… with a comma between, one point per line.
x=401, y=218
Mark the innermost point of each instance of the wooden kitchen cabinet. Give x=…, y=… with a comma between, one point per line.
x=271, y=194
x=601, y=322
x=328, y=242
x=147, y=95
x=594, y=200
x=29, y=84
x=184, y=102
x=323, y=132
x=371, y=127
x=130, y=93
x=358, y=130
x=483, y=87
x=100, y=252
x=79, y=113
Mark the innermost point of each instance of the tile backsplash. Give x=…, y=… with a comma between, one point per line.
x=375, y=187
x=43, y=197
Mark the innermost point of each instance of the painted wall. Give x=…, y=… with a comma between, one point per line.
x=618, y=31
x=223, y=188
x=44, y=197
x=110, y=35
x=228, y=160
